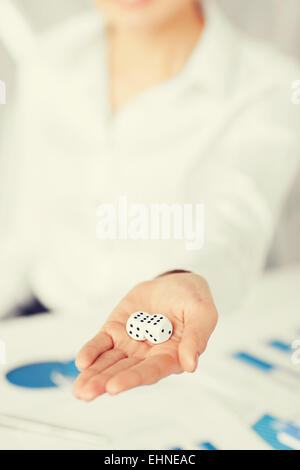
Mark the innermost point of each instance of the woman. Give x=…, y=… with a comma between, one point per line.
x=163, y=102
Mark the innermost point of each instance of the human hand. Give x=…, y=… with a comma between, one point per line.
x=112, y=362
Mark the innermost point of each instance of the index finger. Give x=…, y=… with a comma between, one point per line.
x=147, y=372
x=92, y=350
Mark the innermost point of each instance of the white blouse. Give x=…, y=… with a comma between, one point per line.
x=223, y=133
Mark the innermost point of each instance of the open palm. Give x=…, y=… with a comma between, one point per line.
x=112, y=362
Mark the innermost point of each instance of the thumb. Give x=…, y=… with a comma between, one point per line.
x=198, y=327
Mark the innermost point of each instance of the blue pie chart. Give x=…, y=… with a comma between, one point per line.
x=41, y=375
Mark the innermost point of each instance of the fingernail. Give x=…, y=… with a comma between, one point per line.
x=196, y=359
x=112, y=389
x=87, y=395
x=80, y=365
x=192, y=363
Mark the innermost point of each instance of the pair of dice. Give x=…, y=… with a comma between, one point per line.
x=155, y=328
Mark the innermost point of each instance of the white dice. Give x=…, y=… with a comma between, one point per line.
x=134, y=325
x=159, y=330
x=155, y=328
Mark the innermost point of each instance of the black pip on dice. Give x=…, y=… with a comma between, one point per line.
x=155, y=328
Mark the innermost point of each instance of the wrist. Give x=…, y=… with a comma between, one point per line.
x=174, y=271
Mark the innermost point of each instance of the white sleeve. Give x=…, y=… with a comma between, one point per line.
x=15, y=251
x=243, y=187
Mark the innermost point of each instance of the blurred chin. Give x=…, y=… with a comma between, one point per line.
x=131, y=4
x=133, y=13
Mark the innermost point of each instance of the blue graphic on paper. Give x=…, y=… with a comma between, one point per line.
x=254, y=361
x=280, y=346
x=264, y=366
x=207, y=446
x=43, y=374
x=280, y=435
x=201, y=445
